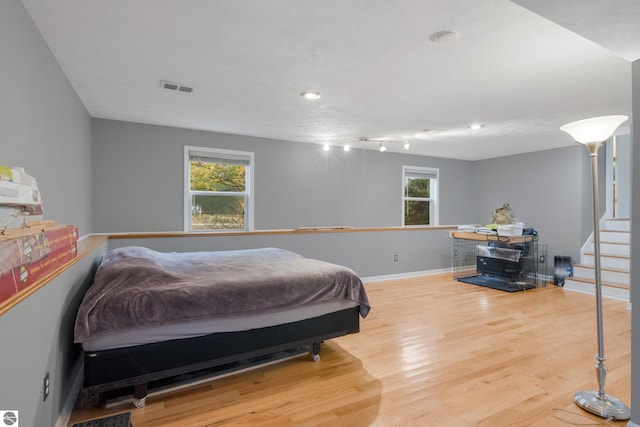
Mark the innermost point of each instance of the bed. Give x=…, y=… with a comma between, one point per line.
x=151, y=316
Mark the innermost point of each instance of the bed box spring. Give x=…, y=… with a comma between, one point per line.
x=136, y=366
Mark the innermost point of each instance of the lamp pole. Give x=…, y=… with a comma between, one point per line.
x=586, y=131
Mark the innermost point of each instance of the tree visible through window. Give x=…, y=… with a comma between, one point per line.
x=420, y=189
x=219, y=194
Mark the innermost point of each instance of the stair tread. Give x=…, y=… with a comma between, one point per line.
x=592, y=282
x=604, y=242
x=589, y=266
x=621, y=261
x=609, y=255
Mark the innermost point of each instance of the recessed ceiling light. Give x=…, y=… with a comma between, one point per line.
x=476, y=126
x=444, y=37
x=347, y=148
x=406, y=145
x=326, y=147
x=311, y=95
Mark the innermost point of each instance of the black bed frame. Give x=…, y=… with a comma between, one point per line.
x=137, y=367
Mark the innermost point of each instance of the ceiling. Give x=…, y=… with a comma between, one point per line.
x=517, y=67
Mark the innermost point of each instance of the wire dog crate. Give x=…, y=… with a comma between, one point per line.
x=506, y=263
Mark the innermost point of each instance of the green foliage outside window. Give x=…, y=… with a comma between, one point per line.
x=417, y=211
x=216, y=211
x=217, y=177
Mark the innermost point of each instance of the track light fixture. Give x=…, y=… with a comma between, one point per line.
x=382, y=144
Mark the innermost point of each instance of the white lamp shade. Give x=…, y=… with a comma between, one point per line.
x=596, y=129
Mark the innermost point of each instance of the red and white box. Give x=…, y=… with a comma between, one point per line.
x=61, y=246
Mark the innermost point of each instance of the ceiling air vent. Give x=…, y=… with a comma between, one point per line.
x=176, y=87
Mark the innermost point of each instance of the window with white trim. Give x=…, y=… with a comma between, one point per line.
x=419, y=196
x=218, y=189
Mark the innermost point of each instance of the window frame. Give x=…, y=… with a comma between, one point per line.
x=219, y=153
x=434, y=208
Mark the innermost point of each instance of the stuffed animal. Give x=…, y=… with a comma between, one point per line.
x=503, y=215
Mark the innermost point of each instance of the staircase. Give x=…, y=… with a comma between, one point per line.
x=615, y=238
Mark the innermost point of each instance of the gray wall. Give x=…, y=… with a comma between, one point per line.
x=300, y=185
x=623, y=176
x=635, y=249
x=37, y=337
x=370, y=254
x=138, y=181
x=138, y=178
x=547, y=190
x=44, y=128
x=43, y=125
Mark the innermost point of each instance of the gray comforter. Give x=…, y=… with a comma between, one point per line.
x=138, y=287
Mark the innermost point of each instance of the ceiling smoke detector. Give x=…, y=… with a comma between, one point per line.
x=444, y=37
x=175, y=86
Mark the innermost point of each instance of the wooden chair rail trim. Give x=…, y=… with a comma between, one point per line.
x=299, y=230
x=88, y=243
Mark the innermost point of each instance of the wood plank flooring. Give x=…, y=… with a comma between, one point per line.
x=433, y=352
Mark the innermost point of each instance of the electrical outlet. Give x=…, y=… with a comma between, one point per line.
x=45, y=389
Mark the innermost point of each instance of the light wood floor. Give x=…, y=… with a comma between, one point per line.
x=433, y=352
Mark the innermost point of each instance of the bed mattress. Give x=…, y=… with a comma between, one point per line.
x=141, y=296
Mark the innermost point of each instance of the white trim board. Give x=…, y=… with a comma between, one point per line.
x=69, y=403
x=408, y=275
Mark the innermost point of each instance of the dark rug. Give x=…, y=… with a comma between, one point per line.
x=496, y=283
x=120, y=420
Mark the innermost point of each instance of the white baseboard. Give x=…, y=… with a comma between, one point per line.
x=67, y=409
x=632, y=424
x=408, y=275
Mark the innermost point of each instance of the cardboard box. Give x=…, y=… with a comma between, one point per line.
x=14, y=194
x=11, y=217
x=22, y=250
x=8, y=286
x=31, y=273
x=61, y=237
x=23, y=276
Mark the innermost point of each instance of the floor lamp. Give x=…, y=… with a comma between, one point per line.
x=593, y=133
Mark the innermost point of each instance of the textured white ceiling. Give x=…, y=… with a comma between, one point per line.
x=521, y=74
x=614, y=24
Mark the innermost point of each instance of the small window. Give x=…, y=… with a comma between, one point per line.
x=419, y=196
x=218, y=188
